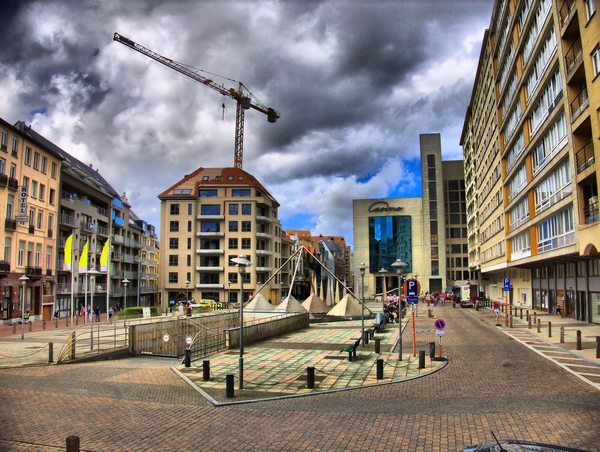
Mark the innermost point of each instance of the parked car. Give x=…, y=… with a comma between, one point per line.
x=194, y=304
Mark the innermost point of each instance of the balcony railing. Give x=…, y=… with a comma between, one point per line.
x=565, y=11
x=67, y=219
x=579, y=104
x=13, y=183
x=4, y=267
x=585, y=157
x=63, y=288
x=3, y=179
x=10, y=225
x=591, y=212
x=573, y=56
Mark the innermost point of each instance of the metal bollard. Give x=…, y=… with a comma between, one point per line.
x=377, y=345
x=56, y=323
x=30, y=325
x=511, y=320
x=421, y=359
x=76, y=320
x=310, y=377
x=50, y=352
x=432, y=350
x=72, y=444
x=529, y=322
x=206, y=370
x=67, y=322
x=14, y=328
x=562, y=334
x=578, y=347
x=539, y=325
x=598, y=347
x=43, y=324
x=187, y=358
x=379, y=369
x=521, y=313
x=229, y=386
x=527, y=316
x=549, y=329
x=365, y=338
x=534, y=317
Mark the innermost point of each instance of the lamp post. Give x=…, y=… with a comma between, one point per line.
x=362, y=267
x=92, y=273
x=125, y=282
x=399, y=265
x=241, y=263
x=187, y=295
x=383, y=271
x=228, y=293
x=23, y=280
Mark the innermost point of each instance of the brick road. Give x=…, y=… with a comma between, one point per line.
x=492, y=383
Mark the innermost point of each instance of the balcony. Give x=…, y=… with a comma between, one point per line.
x=585, y=157
x=87, y=226
x=264, y=235
x=591, y=211
x=66, y=220
x=63, y=288
x=116, y=238
x=3, y=180
x=565, y=11
x=13, y=184
x=263, y=219
x=210, y=234
x=210, y=217
x=10, y=225
x=4, y=269
x=263, y=253
x=101, y=230
x=118, y=257
x=210, y=251
x=209, y=269
x=34, y=273
x=579, y=104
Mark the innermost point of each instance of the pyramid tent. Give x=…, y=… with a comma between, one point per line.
x=347, y=307
x=290, y=304
x=315, y=305
x=258, y=303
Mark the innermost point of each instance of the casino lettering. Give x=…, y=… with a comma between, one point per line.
x=382, y=206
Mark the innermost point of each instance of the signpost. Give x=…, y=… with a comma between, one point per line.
x=440, y=324
x=506, y=289
x=412, y=287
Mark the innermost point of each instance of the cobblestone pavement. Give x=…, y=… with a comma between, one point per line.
x=492, y=383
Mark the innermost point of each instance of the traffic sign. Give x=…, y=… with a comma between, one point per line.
x=506, y=285
x=412, y=299
x=188, y=340
x=166, y=338
x=440, y=324
x=412, y=288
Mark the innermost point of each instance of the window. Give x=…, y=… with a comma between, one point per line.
x=38, y=255
x=174, y=226
x=7, y=247
x=233, y=209
x=231, y=264
x=246, y=244
x=174, y=209
x=209, y=226
x=189, y=226
x=50, y=223
x=40, y=221
x=590, y=8
x=44, y=164
x=190, y=208
x=26, y=183
x=173, y=260
x=210, y=209
x=207, y=193
x=42, y=192
x=189, y=243
x=246, y=209
x=189, y=262
x=240, y=192
x=173, y=243
x=596, y=60
x=51, y=197
x=15, y=146
x=9, y=206
x=232, y=278
x=27, y=158
x=173, y=277
x=21, y=255
x=233, y=226
x=36, y=160
x=4, y=140
x=233, y=244
x=53, y=170
x=34, y=186
x=246, y=226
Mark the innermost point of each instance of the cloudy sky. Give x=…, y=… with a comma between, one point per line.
x=355, y=82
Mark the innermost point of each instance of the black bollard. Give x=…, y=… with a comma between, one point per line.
x=187, y=358
x=529, y=321
x=365, y=338
x=377, y=345
x=310, y=377
x=379, y=369
x=421, y=359
x=578, y=347
x=521, y=313
x=206, y=370
x=50, y=352
x=549, y=329
x=562, y=334
x=598, y=347
x=14, y=328
x=72, y=444
x=432, y=350
x=43, y=324
x=229, y=386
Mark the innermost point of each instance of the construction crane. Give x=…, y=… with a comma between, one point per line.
x=244, y=100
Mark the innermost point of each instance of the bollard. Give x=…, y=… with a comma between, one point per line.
x=43, y=324
x=14, y=328
x=377, y=345
x=527, y=315
x=379, y=369
x=76, y=320
x=578, y=340
x=206, y=370
x=521, y=313
x=511, y=320
x=534, y=317
x=529, y=321
x=549, y=329
x=72, y=444
x=562, y=334
x=432, y=350
x=50, y=352
x=539, y=325
x=598, y=347
x=30, y=325
x=67, y=322
x=365, y=338
x=187, y=358
x=229, y=386
x=421, y=359
x=310, y=377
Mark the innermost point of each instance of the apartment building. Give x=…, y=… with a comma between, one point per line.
x=29, y=186
x=209, y=217
x=429, y=233
x=529, y=139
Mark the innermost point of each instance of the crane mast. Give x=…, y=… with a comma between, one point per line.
x=243, y=100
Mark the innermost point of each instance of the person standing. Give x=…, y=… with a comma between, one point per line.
x=97, y=313
x=180, y=309
x=497, y=311
x=110, y=314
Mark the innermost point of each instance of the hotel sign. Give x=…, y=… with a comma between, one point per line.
x=382, y=206
x=22, y=217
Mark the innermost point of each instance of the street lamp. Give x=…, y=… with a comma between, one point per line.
x=24, y=280
x=399, y=265
x=362, y=267
x=241, y=263
x=228, y=293
x=93, y=272
x=187, y=295
x=383, y=271
x=125, y=282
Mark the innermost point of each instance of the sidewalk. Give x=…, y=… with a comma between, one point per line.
x=278, y=367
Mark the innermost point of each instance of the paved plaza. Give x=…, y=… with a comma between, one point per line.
x=515, y=382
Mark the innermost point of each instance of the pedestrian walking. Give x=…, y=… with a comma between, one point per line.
x=110, y=314
x=497, y=311
x=97, y=313
x=180, y=309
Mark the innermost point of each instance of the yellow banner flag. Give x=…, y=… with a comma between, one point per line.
x=104, y=256
x=83, y=259
x=67, y=264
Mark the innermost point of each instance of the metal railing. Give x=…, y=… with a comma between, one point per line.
x=93, y=339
